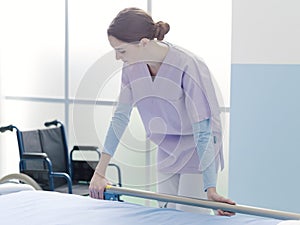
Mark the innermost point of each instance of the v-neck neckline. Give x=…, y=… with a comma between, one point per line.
x=150, y=74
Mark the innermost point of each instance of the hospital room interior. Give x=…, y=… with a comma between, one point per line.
x=56, y=63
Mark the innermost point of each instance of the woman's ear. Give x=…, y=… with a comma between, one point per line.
x=144, y=42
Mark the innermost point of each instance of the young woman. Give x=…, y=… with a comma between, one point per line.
x=174, y=94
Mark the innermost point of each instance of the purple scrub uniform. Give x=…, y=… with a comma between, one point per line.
x=181, y=95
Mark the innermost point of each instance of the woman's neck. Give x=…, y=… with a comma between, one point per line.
x=156, y=53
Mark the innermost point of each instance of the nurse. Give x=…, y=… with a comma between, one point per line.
x=173, y=92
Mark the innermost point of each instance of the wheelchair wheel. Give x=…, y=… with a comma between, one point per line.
x=22, y=178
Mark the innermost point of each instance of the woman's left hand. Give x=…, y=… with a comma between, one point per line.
x=214, y=196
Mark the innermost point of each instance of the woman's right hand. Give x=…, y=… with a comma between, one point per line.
x=97, y=186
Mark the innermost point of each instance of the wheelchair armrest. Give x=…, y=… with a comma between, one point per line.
x=34, y=155
x=118, y=173
x=85, y=148
x=66, y=177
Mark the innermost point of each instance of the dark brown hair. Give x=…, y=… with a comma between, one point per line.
x=133, y=24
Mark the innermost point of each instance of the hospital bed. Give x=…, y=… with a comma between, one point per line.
x=16, y=182
x=50, y=208
x=25, y=205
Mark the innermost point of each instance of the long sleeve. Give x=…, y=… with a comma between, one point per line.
x=117, y=127
x=205, y=148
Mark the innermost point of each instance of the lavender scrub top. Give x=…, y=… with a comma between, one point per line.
x=181, y=95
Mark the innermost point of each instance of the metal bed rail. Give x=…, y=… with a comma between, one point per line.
x=250, y=210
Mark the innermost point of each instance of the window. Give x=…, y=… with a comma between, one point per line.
x=51, y=49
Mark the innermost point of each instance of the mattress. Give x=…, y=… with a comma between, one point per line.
x=52, y=208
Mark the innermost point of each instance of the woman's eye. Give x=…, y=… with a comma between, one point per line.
x=122, y=52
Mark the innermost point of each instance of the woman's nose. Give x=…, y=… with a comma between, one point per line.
x=118, y=56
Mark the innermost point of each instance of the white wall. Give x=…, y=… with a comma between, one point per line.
x=265, y=107
x=1, y=99
x=266, y=32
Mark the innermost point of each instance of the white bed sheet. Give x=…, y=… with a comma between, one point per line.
x=52, y=208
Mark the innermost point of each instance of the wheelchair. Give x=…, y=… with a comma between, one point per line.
x=44, y=156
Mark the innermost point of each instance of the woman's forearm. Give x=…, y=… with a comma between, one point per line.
x=205, y=148
x=102, y=165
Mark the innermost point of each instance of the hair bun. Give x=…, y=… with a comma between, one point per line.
x=160, y=30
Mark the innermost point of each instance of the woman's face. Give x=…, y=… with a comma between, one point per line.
x=127, y=52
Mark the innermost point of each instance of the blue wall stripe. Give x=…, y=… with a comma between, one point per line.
x=264, y=158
